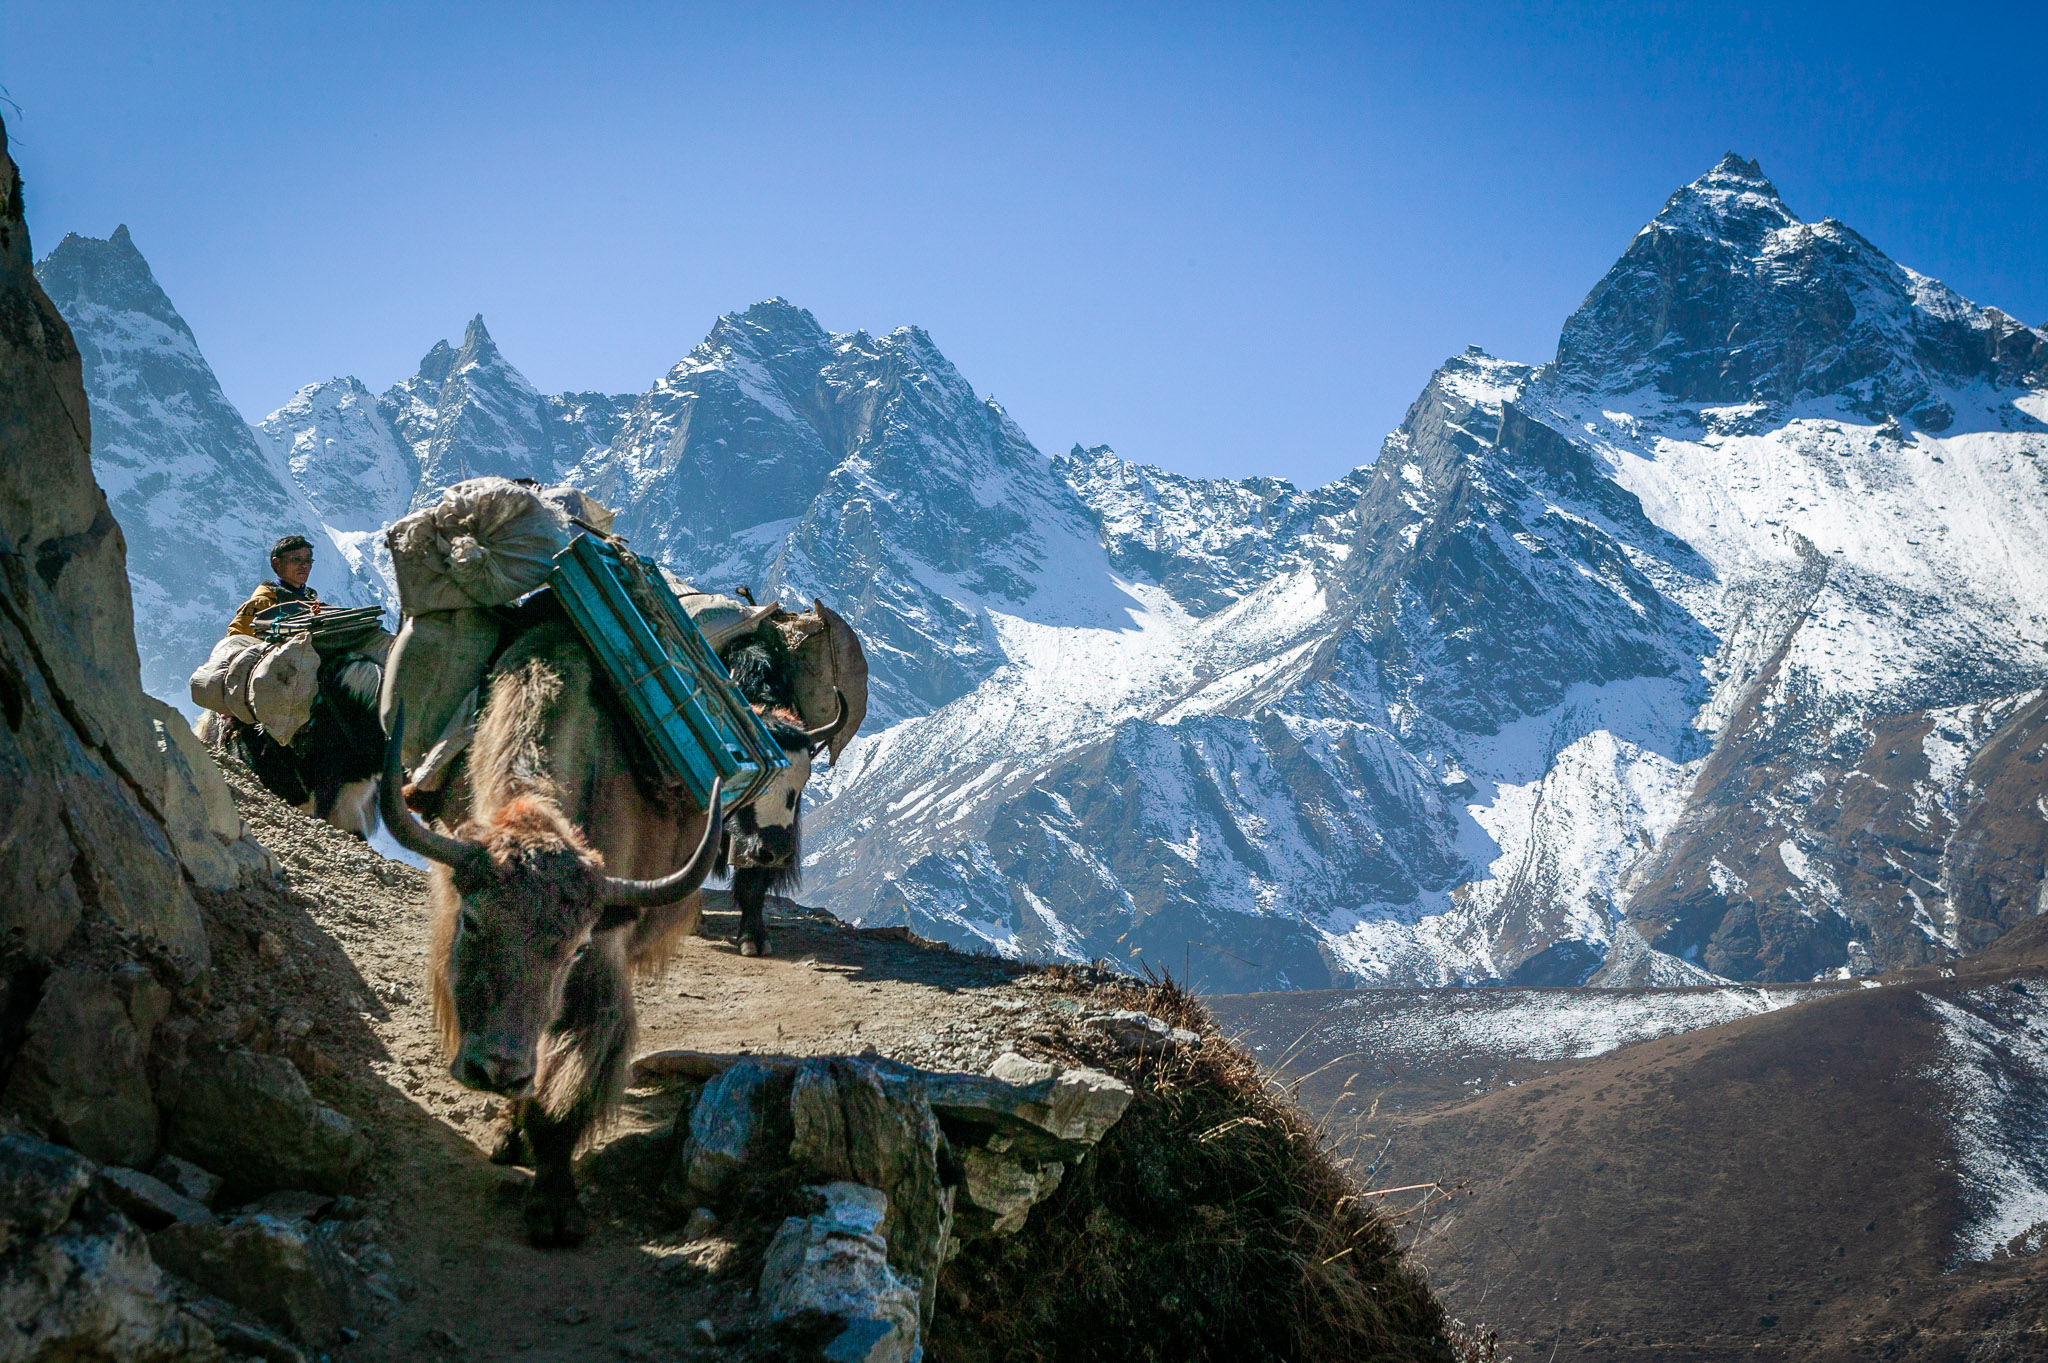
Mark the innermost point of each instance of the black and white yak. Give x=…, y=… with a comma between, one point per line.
x=764, y=844
x=332, y=765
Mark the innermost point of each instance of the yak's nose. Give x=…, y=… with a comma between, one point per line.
x=493, y=1070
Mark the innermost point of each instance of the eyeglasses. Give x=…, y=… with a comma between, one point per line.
x=295, y=558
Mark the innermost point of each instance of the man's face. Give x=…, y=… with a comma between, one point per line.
x=294, y=568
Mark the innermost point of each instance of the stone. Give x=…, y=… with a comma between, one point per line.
x=1138, y=1033
x=850, y=1125
x=89, y=1289
x=149, y=1202
x=1006, y=1187
x=39, y=1184
x=701, y=1223
x=1013, y=1068
x=836, y=1263
x=242, y=1335
x=191, y=810
x=723, y=1126
x=283, y=1271
x=1058, y=1114
x=82, y=1074
x=253, y=1117
x=699, y=1066
x=290, y=1204
x=188, y=1178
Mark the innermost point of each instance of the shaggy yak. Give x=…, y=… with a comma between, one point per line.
x=535, y=941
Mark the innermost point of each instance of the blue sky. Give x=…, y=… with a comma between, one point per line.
x=1224, y=239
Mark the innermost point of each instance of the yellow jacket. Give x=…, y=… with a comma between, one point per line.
x=265, y=596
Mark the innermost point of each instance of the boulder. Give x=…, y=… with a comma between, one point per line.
x=39, y=1185
x=82, y=1072
x=849, y=1125
x=76, y=1277
x=205, y=834
x=1004, y=1186
x=837, y=1263
x=290, y=1204
x=286, y=1272
x=724, y=1126
x=1138, y=1033
x=188, y=1178
x=1054, y=1114
x=149, y=1202
x=253, y=1117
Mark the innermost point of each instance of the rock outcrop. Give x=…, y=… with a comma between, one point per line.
x=116, y=832
x=907, y=1164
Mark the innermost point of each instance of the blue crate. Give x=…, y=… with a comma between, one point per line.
x=694, y=722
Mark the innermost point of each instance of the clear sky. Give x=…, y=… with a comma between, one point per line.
x=1227, y=240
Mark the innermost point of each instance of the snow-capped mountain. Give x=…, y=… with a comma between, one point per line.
x=199, y=496
x=863, y=470
x=469, y=412
x=1712, y=648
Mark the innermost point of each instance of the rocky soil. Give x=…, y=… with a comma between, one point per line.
x=331, y=971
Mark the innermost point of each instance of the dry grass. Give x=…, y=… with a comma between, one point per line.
x=1209, y=1224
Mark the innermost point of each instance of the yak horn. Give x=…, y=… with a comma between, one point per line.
x=678, y=884
x=817, y=738
x=405, y=825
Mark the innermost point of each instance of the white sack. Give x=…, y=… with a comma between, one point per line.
x=720, y=619
x=222, y=682
x=488, y=541
x=283, y=685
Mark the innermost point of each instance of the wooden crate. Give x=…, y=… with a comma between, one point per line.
x=693, y=721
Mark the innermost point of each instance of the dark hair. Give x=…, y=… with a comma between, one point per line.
x=287, y=544
x=761, y=668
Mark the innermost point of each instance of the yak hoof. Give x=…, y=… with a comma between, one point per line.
x=754, y=946
x=511, y=1148
x=556, y=1219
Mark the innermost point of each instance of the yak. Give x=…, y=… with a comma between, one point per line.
x=562, y=877
x=764, y=847
x=331, y=767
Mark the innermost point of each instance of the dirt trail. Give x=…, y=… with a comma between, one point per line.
x=449, y=1218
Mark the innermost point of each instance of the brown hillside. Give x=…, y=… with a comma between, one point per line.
x=1791, y=1185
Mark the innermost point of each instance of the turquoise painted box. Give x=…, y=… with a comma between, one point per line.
x=693, y=721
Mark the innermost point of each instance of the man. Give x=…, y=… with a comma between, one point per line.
x=291, y=558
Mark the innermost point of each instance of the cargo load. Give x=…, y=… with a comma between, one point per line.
x=268, y=682
x=492, y=542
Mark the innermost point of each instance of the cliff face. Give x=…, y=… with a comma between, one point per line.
x=117, y=836
x=106, y=813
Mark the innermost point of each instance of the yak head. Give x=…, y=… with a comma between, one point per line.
x=520, y=893
x=765, y=832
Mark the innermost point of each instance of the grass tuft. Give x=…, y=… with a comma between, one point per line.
x=1209, y=1224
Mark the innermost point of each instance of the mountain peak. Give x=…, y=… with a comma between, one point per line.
x=1734, y=202
x=108, y=273
x=477, y=345
x=1735, y=165
x=779, y=315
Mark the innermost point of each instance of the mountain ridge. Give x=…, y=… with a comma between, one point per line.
x=1591, y=649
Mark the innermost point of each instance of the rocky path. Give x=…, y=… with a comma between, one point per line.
x=470, y=1286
